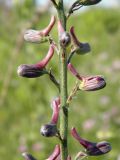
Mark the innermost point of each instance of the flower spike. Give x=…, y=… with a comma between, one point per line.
x=79, y=48
x=55, y=153
x=28, y=156
x=36, y=70
x=36, y=36
x=92, y=149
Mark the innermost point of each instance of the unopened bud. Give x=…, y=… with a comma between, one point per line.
x=78, y=47
x=64, y=36
x=55, y=107
x=30, y=71
x=65, y=39
x=28, y=156
x=91, y=148
x=36, y=36
x=92, y=83
x=36, y=70
x=88, y=2
x=49, y=130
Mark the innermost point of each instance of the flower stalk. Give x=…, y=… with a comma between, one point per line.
x=63, y=86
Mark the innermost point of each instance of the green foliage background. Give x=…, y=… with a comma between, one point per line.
x=26, y=104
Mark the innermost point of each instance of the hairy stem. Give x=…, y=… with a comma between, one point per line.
x=63, y=88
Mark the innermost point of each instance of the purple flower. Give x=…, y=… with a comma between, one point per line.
x=92, y=149
x=36, y=70
x=36, y=36
x=88, y=83
x=63, y=35
x=78, y=47
x=50, y=129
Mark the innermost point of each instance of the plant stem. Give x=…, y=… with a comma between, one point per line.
x=63, y=88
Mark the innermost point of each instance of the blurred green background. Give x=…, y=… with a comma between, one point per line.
x=25, y=103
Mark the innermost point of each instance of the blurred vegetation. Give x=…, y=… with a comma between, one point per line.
x=25, y=103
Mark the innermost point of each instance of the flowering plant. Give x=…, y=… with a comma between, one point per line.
x=84, y=83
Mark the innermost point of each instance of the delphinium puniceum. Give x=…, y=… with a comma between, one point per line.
x=67, y=38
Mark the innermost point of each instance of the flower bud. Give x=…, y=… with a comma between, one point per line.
x=88, y=2
x=28, y=156
x=100, y=148
x=36, y=70
x=92, y=149
x=55, y=153
x=30, y=71
x=92, y=83
x=36, y=36
x=64, y=36
x=65, y=39
x=78, y=47
x=55, y=107
x=49, y=130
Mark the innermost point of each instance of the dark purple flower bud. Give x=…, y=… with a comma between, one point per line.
x=92, y=83
x=28, y=156
x=36, y=70
x=30, y=71
x=49, y=130
x=92, y=149
x=78, y=47
x=88, y=2
x=39, y=36
x=64, y=36
x=55, y=153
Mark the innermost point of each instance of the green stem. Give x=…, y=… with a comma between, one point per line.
x=63, y=88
